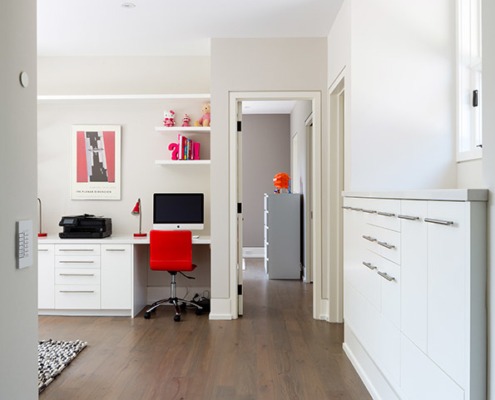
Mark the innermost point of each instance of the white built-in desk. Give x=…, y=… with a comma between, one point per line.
x=94, y=276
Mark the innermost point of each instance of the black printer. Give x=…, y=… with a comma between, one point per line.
x=85, y=227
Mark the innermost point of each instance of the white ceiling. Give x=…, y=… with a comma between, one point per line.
x=172, y=27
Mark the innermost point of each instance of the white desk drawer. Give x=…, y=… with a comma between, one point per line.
x=77, y=276
x=81, y=297
x=77, y=262
x=77, y=250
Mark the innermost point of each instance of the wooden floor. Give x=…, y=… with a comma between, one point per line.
x=275, y=351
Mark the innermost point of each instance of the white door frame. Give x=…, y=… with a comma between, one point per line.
x=319, y=305
x=337, y=127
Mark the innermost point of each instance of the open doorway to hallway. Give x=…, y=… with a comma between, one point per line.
x=295, y=155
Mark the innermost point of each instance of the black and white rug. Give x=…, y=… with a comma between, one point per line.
x=53, y=357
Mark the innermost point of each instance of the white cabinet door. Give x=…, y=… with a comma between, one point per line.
x=46, y=276
x=414, y=272
x=116, y=276
x=448, y=294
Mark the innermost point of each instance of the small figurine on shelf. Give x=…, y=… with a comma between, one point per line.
x=169, y=118
x=186, y=121
x=281, y=181
x=205, y=118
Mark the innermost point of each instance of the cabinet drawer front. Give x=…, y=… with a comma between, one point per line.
x=77, y=249
x=383, y=213
x=77, y=276
x=77, y=262
x=390, y=284
x=82, y=297
x=383, y=242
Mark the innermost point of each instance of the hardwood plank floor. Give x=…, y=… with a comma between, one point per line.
x=275, y=351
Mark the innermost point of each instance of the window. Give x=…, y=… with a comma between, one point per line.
x=469, y=72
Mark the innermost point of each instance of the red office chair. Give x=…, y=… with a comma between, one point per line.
x=171, y=251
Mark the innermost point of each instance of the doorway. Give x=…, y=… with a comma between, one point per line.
x=235, y=113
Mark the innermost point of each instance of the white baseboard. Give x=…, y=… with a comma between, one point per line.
x=253, y=252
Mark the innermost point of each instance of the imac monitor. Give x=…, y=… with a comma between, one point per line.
x=178, y=211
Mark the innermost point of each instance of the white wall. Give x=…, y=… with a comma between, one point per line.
x=249, y=65
x=400, y=83
x=18, y=288
x=265, y=152
x=488, y=92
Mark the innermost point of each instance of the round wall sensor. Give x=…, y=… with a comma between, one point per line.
x=24, y=79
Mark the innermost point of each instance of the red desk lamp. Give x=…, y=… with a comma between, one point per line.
x=40, y=233
x=137, y=211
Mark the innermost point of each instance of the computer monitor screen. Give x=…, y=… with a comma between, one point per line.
x=178, y=211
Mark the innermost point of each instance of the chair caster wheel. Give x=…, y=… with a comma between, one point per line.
x=176, y=318
x=147, y=315
x=198, y=311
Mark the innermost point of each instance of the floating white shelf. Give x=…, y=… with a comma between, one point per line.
x=183, y=129
x=183, y=162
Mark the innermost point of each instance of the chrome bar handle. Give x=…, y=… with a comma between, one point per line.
x=42, y=249
x=408, y=217
x=386, y=245
x=369, y=265
x=76, y=262
x=439, y=221
x=386, y=276
x=369, y=211
x=114, y=249
x=369, y=238
x=385, y=214
x=77, y=291
x=76, y=249
x=77, y=274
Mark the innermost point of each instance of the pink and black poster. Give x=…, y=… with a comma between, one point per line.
x=96, y=162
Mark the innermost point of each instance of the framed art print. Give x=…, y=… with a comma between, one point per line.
x=95, y=162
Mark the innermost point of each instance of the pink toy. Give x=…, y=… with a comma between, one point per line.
x=169, y=118
x=174, y=148
x=205, y=118
x=186, y=121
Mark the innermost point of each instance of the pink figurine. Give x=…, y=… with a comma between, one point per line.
x=186, y=121
x=169, y=118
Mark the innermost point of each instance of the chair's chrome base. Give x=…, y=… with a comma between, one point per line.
x=173, y=300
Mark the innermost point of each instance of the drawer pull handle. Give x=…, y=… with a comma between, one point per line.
x=408, y=217
x=76, y=262
x=369, y=265
x=369, y=238
x=77, y=274
x=42, y=249
x=386, y=245
x=77, y=291
x=385, y=214
x=76, y=249
x=386, y=276
x=347, y=208
x=439, y=221
x=369, y=211
x=115, y=249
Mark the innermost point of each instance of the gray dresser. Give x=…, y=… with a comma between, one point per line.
x=283, y=236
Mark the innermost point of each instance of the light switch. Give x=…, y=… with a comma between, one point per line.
x=24, y=243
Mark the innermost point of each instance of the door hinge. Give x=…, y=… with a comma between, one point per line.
x=239, y=126
x=475, y=98
x=239, y=208
x=239, y=290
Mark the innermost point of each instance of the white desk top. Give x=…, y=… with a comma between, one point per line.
x=114, y=239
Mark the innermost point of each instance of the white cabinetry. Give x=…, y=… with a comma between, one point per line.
x=419, y=332
x=91, y=278
x=46, y=276
x=116, y=273
x=282, y=236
